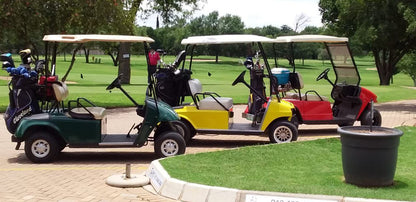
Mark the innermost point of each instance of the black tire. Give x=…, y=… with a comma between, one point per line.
x=282, y=132
x=366, y=118
x=41, y=147
x=183, y=129
x=169, y=143
x=62, y=146
x=295, y=121
x=192, y=131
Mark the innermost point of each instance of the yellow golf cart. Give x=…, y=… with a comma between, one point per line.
x=211, y=114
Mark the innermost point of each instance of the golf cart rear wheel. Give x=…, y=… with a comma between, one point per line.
x=41, y=147
x=183, y=129
x=169, y=143
x=366, y=118
x=283, y=132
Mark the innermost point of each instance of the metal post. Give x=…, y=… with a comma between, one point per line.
x=128, y=170
x=371, y=114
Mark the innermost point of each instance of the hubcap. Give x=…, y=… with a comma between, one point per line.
x=169, y=147
x=282, y=134
x=40, y=148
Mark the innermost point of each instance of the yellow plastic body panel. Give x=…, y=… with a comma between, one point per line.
x=204, y=119
x=276, y=110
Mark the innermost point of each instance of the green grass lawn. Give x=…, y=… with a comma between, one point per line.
x=97, y=76
x=312, y=167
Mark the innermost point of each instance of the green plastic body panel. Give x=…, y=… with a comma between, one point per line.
x=88, y=132
x=154, y=115
x=73, y=131
x=164, y=113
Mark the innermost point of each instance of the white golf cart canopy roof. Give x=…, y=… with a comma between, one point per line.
x=225, y=39
x=310, y=38
x=82, y=38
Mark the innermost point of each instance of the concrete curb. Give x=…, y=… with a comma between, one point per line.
x=169, y=187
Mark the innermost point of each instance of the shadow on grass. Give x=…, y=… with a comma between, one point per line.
x=398, y=185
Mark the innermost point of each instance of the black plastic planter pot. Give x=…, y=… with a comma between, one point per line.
x=369, y=158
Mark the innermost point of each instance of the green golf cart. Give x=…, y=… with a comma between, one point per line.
x=82, y=124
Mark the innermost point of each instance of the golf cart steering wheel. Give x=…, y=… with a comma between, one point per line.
x=239, y=78
x=323, y=75
x=115, y=84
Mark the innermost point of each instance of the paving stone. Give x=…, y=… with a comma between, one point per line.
x=79, y=174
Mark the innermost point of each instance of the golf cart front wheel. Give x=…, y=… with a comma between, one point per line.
x=41, y=147
x=169, y=143
x=283, y=132
x=366, y=118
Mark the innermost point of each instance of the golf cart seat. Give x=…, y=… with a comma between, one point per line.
x=296, y=82
x=60, y=91
x=85, y=112
x=211, y=100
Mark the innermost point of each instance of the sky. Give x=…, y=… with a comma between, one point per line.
x=261, y=12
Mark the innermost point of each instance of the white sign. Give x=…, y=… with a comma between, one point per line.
x=156, y=178
x=126, y=55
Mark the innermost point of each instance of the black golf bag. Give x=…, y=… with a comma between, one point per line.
x=172, y=83
x=171, y=87
x=22, y=101
x=22, y=93
x=255, y=102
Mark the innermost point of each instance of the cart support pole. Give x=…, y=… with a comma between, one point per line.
x=128, y=170
x=371, y=114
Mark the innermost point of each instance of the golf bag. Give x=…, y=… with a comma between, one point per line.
x=22, y=93
x=172, y=83
x=171, y=87
x=255, y=103
x=22, y=100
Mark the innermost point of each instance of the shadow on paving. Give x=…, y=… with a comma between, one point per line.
x=407, y=107
x=221, y=143
x=93, y=157
x=318, y=132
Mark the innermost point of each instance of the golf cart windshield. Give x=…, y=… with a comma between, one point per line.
x=342, y=61
x=84, y=38
x=193, y=41
x=226, y=39
x=80, y=39
x=343, y=64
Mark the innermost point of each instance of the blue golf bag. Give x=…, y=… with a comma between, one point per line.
x=22, y=93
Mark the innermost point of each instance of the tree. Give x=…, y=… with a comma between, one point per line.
x=407, y=65
x=386, y=27
x=27, y=21
x=169, y=11
x=212, y=24
x=301, y=21
x=205, y=24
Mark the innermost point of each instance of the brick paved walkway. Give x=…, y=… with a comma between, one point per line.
x=79, y=174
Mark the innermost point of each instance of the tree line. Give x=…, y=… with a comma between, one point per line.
x=384, y=28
